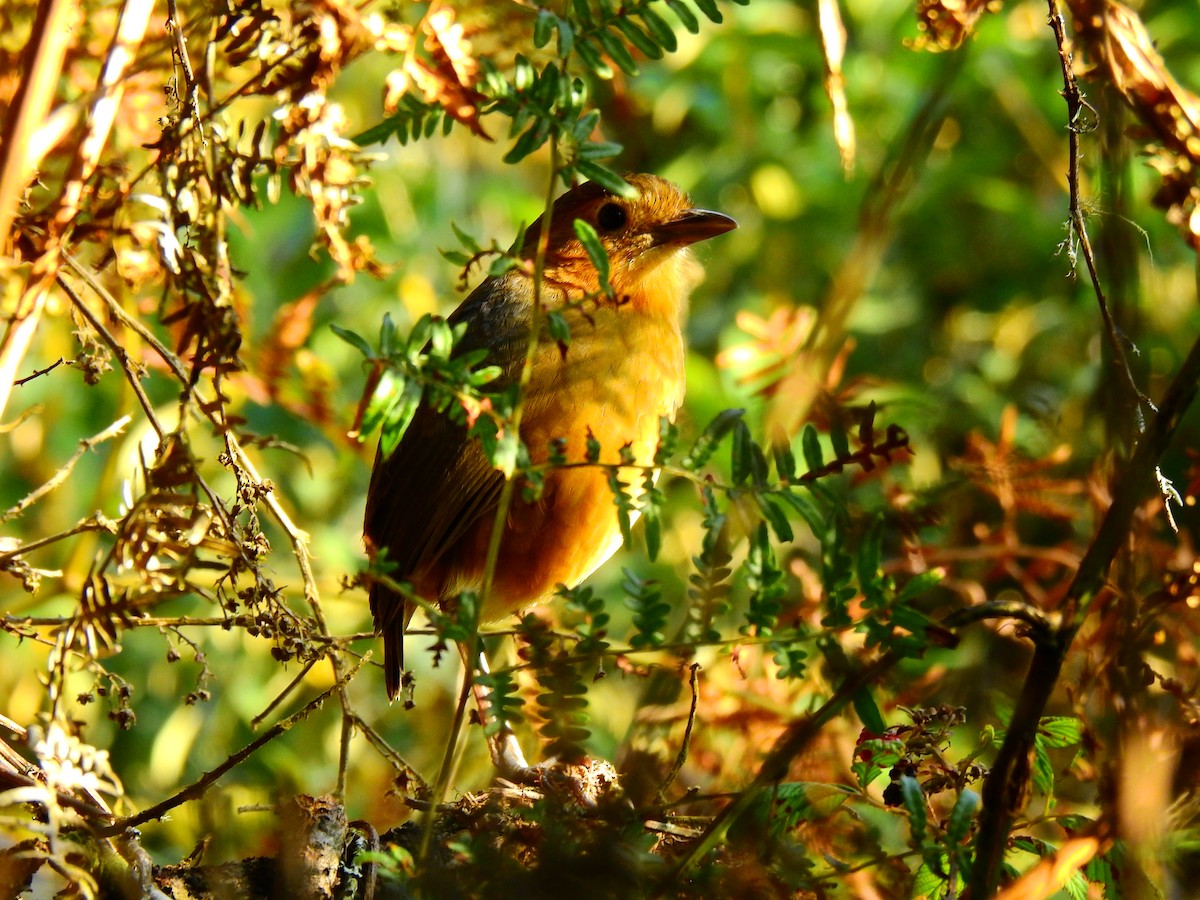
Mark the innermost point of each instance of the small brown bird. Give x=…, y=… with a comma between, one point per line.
x=433, y=502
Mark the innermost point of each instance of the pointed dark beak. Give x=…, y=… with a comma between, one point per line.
x=694, y=225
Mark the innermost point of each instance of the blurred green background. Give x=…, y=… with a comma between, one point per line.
x=974, y=309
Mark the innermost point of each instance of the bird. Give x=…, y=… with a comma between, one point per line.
x=432, y=503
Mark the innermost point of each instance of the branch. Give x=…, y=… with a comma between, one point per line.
x=774, y=768
x=196, y=790
x=64, y=471
x=1006, y=785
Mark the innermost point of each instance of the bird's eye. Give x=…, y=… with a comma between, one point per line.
x=611, y=217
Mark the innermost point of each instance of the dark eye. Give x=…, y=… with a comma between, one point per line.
x=611, y=217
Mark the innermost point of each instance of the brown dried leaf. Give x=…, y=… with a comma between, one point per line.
x=449, y=75
x=946, y=24
x=1170, y=111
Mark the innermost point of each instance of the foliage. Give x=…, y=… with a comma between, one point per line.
x=907, y=599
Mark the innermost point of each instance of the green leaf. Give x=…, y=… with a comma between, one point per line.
x=418, y=338
x=1100, y=871
x=560, y=330
x=593, y=60
x=398, y=417
x=789, y=658
x=595, y=251
x=668, y=439
x=639, y=38
x=441, y=341
x=582, y=12
x=873, y=757
x=659, y=29
x=524, y=74
x=960, y=817
x=839, y=440
x=545, y=91
x=387, y=336
x=1060, y=731
x=566, y=38
x=813, y=517
x=652, y=529
x=393, y=126
x=485, y=375
x=620, y=492
x=919, y=584
x=709, y=8
x=586, y=124
x=870, y=555
x=650, y=613
x=740, y=454
x=810, y=446
x=914, y=805
x=927, y=883
x=500, y=265
x=785, y=460
x=868, y=712
x=504, y=454
x=1076, y=887
x=775, y=516
x=543, y=27
x=792, y=803
x=598, y=149
x=616, y=51
x=706, y=445
x=387, y=391
x=457, y=257
x=533, y=138
x=357, y=341
x=1043, y=769
x=686, y=17
x=606, y=178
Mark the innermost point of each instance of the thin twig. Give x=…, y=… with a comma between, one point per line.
x=179, y=52
x=118, y=350
x=299, y=542
x=790, y=744
x=64, y=470
x=296, y=537
x=1076, y=105
x=91, y=523
x=388, y=752
x=681, y=757
x=197, y=789
x=285, y=693
x=38, y=373
x=1007, y=783
x=441, y=785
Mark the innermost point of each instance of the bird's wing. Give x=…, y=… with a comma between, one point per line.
x=438, y=483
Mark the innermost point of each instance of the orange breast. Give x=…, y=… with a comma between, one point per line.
x=623, y=370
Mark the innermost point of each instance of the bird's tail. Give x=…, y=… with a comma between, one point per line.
x=392, y=613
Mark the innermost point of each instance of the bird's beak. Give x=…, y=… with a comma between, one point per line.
x=694, y=225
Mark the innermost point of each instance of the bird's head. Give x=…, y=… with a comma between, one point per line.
x=645, y=237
